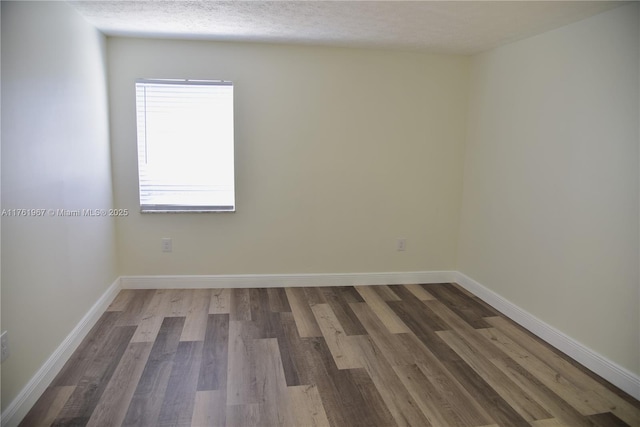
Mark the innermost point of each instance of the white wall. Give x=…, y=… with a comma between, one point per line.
x=55, y=155
x=550, y=214
x=339, y=152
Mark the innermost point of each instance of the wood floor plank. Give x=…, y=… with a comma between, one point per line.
x=417, y=308
x=215, y=353
x=345, y=393
x=113, y=405
x=403, y=408
x=135, y=308
x=241, y=383
x=314, y=296
x=244, y=415
x=278, y=301
x=339, y=302
x=343, y=350
x=419, y=292
x=83, y=357
x=196, y=316
x=551, y=422
x=305, y=320
x=91, y=386
x=307, y=408
x=528, y=408
x=240, y=304
x=389, y=344
x=209, y=409
x=386, y=293
x=379, y=415
x=460, y=326
x=271, y=385
x=466, y=308
x=178, y=303
x=494, y=404
x=606, y=419
x=151, y=321
x=556, y=372
x=146, y=401
x=47, y=408
x=382, y=310
x=121, y=300
x=526, y=380
x=433, y=405
x=179, y=397
x=562, y=411
x=220, y=301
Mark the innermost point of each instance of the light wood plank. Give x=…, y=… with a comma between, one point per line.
x=517, y=398
x=151, y=320
x=390, y=320
x=403, y=408
x=419, y=292
x=342, y=348
x=220, y=301
x=121, y=300
x=209, y=409
x=302, y=314
x=195, y=323
x=241, y=368
x=582, y=392
x=307, y=407
x=271, y=385
x=390, y=345
x=244, y=415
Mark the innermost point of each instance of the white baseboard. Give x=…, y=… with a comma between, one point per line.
x=19, y=407
x=285, y=280
x=612, y=372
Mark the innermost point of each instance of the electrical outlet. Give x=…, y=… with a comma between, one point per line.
x=401, y=244
x=4, y=346
x=167, y=244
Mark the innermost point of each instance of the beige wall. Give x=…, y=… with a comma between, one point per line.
x=339, y=152
x=550, y=208
x=55, y=155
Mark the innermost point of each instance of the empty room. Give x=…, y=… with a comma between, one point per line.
x=309, y=213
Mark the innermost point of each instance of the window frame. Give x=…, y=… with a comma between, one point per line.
x=143, y=188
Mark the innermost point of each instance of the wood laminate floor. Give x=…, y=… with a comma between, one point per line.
x=414, y=355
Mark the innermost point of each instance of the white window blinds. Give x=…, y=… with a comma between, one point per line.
x=185, y=145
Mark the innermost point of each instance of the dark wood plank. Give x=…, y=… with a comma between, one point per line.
x=340, y=306
x=113, y=404
x=607, y=419
x=213, y=369
x=135, y=308
x=90, y=387
x=411, y=304
x=305, y=321
x=240, y=304
x=93, y=343
x=47, y=408
x=278, y=300
x=467, y=308
x=147, y=399
x=180, y=395
x=495, y=405
x=314, y=296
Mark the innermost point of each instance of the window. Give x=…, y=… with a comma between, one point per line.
x=185, y=145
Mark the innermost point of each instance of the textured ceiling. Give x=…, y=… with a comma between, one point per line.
x=433, y=26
